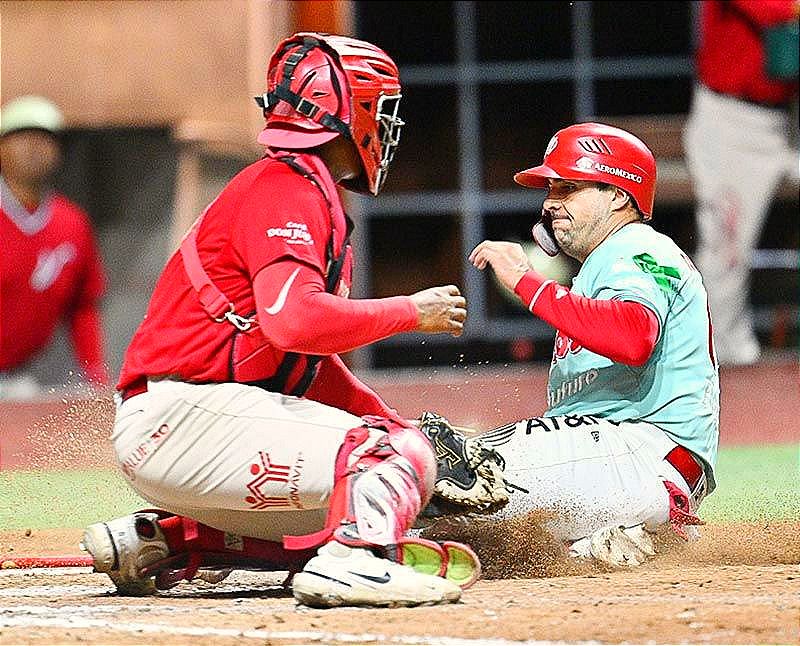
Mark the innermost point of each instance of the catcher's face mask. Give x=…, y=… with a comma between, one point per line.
x=389, y=127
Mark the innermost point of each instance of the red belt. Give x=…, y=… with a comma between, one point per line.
x=685, y=464
x=136, y=388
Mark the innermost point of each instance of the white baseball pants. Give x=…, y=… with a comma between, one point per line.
x=587, y=473
x=234, y=457
x=736, y=153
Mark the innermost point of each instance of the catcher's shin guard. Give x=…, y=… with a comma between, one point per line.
x=382, y=482
x=383, y=476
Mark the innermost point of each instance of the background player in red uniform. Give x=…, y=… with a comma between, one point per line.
x=51, y=269
x=235, y=412
x=740, y=140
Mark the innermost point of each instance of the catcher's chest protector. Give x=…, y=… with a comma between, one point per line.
x=250, y=352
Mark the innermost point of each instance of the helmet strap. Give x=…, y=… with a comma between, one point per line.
x=309, y=109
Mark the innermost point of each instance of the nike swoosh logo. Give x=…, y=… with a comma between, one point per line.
x=277, y=306
x=376, y=579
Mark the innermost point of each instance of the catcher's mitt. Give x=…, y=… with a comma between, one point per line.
x=469, y=474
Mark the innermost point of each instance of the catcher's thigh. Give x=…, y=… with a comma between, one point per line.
x=585, y=473
x=234, y=457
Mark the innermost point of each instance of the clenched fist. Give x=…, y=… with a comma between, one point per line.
x=440, y=309
x=508, y=259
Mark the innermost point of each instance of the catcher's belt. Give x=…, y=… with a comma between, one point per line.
x=136, y=388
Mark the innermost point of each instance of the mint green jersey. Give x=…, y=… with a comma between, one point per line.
x=677, y=390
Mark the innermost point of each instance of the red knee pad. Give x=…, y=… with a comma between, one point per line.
x=407, y=440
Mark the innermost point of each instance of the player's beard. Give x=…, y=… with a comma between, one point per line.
x=566, y=238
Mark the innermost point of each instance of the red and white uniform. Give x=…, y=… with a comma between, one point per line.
x=738, y=146
x=51, y=273
x=199, y=441
x=731, y=56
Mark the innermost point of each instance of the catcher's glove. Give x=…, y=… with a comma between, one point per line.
x=469, y=474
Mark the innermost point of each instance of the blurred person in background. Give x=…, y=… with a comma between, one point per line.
x=738, y=147
x=52, y=272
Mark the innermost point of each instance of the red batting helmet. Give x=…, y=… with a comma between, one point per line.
x=321, y=86
x=598, y=153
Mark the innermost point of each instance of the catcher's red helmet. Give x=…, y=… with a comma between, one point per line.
x=599, y=153
x=320, y=86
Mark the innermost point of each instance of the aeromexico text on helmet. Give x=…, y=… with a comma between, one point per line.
x=584, y=163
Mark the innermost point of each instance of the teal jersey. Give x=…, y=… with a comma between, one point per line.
x=677, y=390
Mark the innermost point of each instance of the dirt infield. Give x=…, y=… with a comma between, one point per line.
x=737, y=585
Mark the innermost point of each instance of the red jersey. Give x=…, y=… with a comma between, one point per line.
x=269, y=218
x=730, y=56
x=51, y=273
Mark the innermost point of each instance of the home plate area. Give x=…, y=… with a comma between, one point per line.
x=716, y=591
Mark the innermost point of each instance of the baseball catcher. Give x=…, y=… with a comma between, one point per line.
x=236, y=417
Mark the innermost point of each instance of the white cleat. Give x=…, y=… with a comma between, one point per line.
x=616, y=546
x=122, y=547
x=348, y=576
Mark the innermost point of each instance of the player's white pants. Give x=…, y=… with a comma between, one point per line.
x=737, y=153
x=589, y=472
x=235, y=457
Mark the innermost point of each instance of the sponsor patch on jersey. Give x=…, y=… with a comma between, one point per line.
x=667, y=278
x=292, y=233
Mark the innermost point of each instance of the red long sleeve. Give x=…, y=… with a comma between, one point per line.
x=623, y=331
x=336, y=386
x=298, y=315
x=766, y=13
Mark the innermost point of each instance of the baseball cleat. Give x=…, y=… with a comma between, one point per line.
x=350, y=576
x=123, y=546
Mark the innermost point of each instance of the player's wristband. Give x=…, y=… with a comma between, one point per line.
x=530, y=287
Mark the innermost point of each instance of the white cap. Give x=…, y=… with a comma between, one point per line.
x=30, y=112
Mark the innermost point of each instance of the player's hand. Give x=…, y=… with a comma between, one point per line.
x=507, y=259
x=440, y=309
